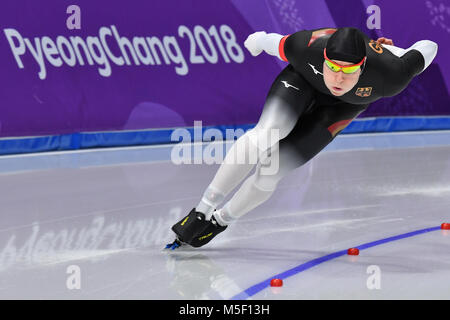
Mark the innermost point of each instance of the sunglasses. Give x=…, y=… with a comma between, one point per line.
x=335, y=67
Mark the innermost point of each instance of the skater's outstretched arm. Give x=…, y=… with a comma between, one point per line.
x=426, y=48
x=261, y=41
x=408, y=63
x=273, y=43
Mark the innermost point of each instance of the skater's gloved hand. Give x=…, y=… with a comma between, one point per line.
x=253, y=42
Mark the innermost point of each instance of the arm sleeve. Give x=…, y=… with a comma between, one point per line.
x=287, y=48
x=412, y=63
x=270, y=44
x=407, y=64
x=400, y=71
x=279, y=45
x=292, y=46
x=417, y=57
x=427, y=50
x=261, y=41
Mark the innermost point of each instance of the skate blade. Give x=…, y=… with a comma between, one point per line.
x=174, y=245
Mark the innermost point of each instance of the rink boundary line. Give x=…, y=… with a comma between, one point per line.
x=396, y=133
x=195, y=143
x=251, y=291
x=132, y=137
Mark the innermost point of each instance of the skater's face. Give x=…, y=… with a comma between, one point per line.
x=339, y=83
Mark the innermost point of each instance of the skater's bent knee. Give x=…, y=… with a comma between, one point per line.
x=213, y=196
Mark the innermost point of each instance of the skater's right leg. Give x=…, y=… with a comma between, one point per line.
x=289, y=96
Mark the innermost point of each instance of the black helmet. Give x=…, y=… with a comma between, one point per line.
x=346, y=44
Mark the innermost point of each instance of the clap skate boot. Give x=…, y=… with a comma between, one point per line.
x=213, y=229
x=195, y=230
x=188, y=228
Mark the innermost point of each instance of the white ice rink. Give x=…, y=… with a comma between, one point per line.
x=108, y=213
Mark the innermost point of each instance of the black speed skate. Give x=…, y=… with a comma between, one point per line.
x=212, y=230
x=187, y=228
x=194, y=230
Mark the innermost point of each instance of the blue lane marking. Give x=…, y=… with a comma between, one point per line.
x=308, y=265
